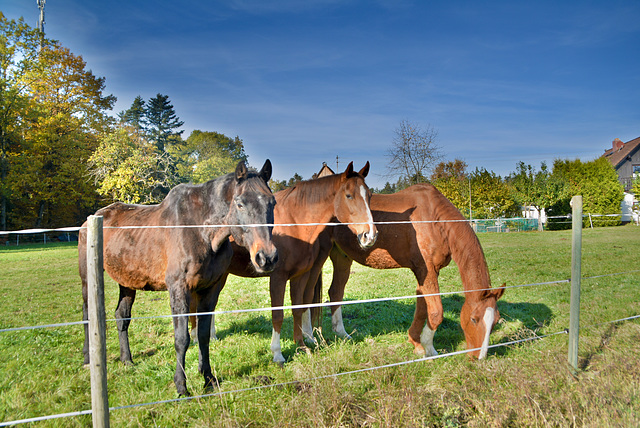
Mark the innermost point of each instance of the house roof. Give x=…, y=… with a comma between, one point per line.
x=619, y=152
x=325, y=170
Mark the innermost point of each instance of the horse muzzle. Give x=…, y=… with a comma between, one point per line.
x=367, y=239
x=264, y=261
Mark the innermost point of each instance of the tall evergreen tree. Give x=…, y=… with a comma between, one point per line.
x=162, y=121
x=135, y=115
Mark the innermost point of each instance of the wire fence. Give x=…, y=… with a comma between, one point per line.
x=510, y=224
x=326, y=304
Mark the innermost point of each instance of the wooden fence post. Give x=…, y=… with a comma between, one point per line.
x=576, y=272
x=97, y=324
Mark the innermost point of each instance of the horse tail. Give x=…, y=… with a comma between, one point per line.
x=316, y=312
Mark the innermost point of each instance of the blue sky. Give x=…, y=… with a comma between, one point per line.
x=301, y=82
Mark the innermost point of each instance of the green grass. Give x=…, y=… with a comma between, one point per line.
x=528, y=384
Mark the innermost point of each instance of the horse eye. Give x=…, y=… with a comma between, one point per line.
x=349, y=196
x=474, y=320
x=240, y=205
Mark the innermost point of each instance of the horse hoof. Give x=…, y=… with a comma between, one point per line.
x=431, y=352
x=419, y=351
x=211, y=384
x=279, y=359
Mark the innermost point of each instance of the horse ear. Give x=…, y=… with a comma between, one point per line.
x=365, y=170
x=494, y=292
x=347, y=172
x=241, y=171
x=265, y=172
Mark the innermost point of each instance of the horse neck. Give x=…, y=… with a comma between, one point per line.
x=217, y=194
x=467, y=252
x=310, y=201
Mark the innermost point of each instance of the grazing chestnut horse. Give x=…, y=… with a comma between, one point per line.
x=299, y=213
x=425, y=248
x=189, y=262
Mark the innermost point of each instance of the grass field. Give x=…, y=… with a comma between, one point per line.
x=528, y=384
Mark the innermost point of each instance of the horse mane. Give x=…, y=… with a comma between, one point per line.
x=311, y=192
x=463, y=242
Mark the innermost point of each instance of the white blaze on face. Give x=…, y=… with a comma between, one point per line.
x=369, y=235
x=489, y=316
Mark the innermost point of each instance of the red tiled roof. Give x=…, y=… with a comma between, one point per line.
x=616, y=157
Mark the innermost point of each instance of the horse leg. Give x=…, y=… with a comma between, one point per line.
x=207, y=303
x=341, y=270
x=305, y=295
x=313, y=294
x=180, y=298
x=123, y=315
x=428, y=309
x=296, y=289
x=277, y=285
x=194, y=324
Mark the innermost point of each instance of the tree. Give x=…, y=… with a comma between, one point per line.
x=597, y=182
x=413, y=152
x=135, y=115
x=540, y=189
x=130, y=169
x=52, y=111
x=491, y=196
x=295, y=179
x=18, y=54
x=206, y=155
x=636, y=187
x=162, y=121
x=387, y=189
x=452, y=180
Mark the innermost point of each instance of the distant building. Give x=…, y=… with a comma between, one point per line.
x=324, y=171
x=625, y=158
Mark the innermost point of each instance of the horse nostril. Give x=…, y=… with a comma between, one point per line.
x=260, y=259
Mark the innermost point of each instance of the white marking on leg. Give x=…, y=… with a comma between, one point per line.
x=489, y=316
x=307, y=329
x=338, y=325
x=194, y=334
x=275, y=347
x=426, y=339
x=368, y=235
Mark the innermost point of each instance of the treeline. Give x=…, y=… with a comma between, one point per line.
x=62, y=155
x=483, y=194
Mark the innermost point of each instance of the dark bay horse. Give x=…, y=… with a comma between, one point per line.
x=189, y=262
x=342, y=197
x=425, y=248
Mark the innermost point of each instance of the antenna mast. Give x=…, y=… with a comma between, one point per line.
x=41, y=4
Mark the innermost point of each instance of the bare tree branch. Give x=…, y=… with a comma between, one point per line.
x=414, y=152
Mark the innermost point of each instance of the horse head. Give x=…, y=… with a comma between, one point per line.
x=252, y=204
x=478, y=317
x=351, y=205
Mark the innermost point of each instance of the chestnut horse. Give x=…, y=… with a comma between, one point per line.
x=189, y=262
x=299, y=214
x=425, y=248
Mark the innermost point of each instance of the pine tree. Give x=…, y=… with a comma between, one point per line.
x=135, y=115
x=162, y=121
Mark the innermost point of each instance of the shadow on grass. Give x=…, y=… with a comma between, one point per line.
x=368, y=320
